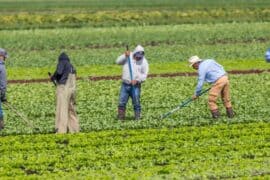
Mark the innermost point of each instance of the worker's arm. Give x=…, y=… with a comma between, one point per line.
x=59, y=71
x=121, y=60
x=3, y=83
x=201, y=78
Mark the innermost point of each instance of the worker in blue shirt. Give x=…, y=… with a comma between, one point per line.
x=3, y=84
x=212, y=72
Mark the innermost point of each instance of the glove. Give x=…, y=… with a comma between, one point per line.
x=52, y=78
x=127, y=53
x=134, y=82
x=194, y=97
x=3, y=97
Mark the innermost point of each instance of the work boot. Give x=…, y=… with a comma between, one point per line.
x=137, y=115
x=121, y=113
x=1, y=124
x=215, y=114
x=230, y=112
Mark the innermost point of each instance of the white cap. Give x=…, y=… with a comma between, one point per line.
x=139, y=48
x=194, y=59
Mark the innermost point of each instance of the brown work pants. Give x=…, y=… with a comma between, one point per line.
x=220, y=87
x=66, y=117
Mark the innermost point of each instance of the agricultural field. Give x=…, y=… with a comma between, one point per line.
x=105, y=13
x=206, y=152
x=186, y=145
x=97, y=104
x=94, y=50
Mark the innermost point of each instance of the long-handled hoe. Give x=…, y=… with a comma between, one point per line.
x=22, y=116
x=183, y=104
x=131, y=74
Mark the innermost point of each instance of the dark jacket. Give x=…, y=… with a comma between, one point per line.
x=64, y=68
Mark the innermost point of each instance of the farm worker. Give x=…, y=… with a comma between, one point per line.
x=3, y=84
x=65, y=77
x=212, y=72
x=267, y=56
x=131, y=87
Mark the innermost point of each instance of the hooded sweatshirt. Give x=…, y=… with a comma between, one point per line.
x=64, y=68
x=139, y=68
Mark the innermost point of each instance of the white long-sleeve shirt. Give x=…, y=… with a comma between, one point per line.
x=139, y=68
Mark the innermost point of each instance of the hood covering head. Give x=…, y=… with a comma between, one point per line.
x=63, y=57
x=139, y=48
x=3, y=52
x=139, y=52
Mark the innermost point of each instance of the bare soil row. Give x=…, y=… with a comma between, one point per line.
x=99, y=78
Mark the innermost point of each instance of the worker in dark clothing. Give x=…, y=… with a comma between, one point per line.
x=65, y=78
x=3, y=84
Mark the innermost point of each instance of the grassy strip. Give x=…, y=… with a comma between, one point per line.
x=111, y=70
x=219, y=151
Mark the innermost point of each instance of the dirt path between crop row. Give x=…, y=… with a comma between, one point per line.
x=99, y=78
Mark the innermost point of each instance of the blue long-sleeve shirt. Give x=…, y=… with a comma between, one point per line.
x=3, y=77
x=209, y=71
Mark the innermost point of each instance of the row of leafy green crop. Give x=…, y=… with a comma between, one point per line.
x=130, y=17
x=209, y=152
x=54, y=14
x=25, y=73
x=155, y=54
x=101, y=46
x=162, y=59
x=146, y=35
x=97, y=104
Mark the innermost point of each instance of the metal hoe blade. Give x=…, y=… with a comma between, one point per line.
x=183, y=104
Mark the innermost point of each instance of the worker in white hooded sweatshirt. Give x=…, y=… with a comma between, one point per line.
x=133, y=75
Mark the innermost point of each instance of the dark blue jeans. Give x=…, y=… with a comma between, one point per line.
x=127, y=90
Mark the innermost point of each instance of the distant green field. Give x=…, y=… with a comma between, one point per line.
x=94, y=50
x=94, y=13
x=128, y=4
x=110, y=37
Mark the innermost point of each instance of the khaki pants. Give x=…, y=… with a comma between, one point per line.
x=220, y=87
x=66, y=117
